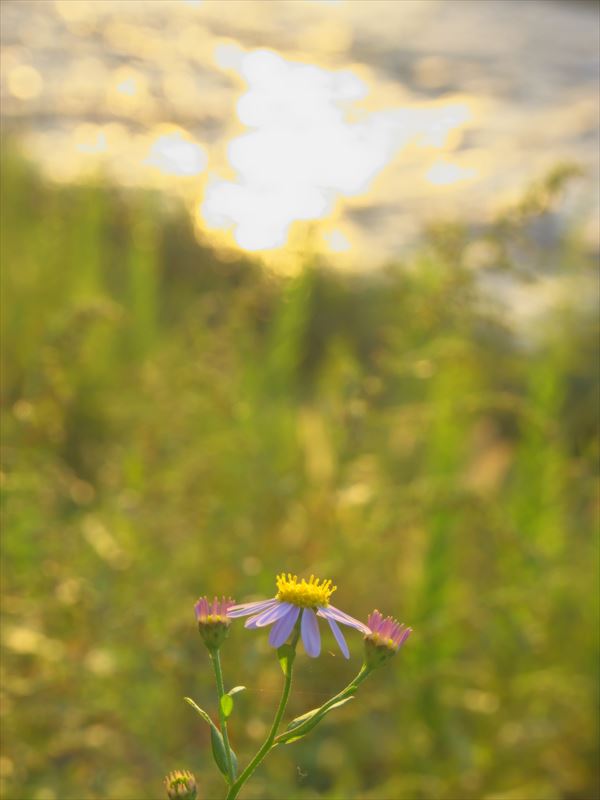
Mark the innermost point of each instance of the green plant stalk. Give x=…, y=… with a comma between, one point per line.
x=268, y=743
x=216, y=660
x=363, y=673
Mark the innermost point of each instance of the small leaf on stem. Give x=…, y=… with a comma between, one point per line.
x=226, y=705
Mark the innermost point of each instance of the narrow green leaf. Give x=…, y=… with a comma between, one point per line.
x=294, y=738
x=219, y=755
x=218, y=750
x=216, y=740
x=226, y=705
x=285, y=654
x=235, y=690
x=304, y=718
x=310, y=714
x=200, y=711
x=302, y=725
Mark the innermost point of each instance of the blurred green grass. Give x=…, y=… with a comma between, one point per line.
x=176, y=423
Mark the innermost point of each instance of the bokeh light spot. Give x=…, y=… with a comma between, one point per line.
x=25, y=82
x=445, y=173
x=173, y=154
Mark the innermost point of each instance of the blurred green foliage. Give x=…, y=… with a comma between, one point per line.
x=175, y=423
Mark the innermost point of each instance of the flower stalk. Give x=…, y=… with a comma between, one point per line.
x=268, y=743
x=216, y=660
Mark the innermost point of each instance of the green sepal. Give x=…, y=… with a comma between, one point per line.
x=226, y=705
x=302, y=725
x=285, y=654
x=216, y=740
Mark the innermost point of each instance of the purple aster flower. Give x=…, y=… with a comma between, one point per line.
x=304, y=600
x=213, y=620
x=386, y=636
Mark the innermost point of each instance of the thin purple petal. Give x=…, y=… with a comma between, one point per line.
x=201, y=608
x=331, y=612
x=311, y=637
x=251, y=623
x=245, y=609
x=405, y=636
x=267, y=617
x=375, y=620
x=339, y=637
x=283, y=627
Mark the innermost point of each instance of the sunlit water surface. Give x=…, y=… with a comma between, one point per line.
x=343, y=126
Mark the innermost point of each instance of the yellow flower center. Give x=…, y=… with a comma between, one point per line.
x=381, y=641
x=213, y=619
x=306, y=594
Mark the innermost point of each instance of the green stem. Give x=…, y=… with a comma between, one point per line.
x=216, y=660
x=363, y=673
x=235, y=788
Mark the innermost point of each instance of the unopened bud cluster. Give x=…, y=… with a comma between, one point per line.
x=181, y=785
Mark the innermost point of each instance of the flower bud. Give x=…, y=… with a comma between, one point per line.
x=386, y=637
x=181, y=785
x=213, y=622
